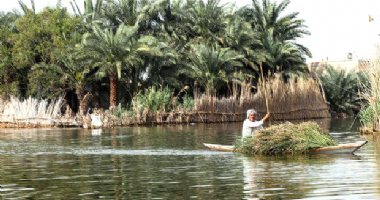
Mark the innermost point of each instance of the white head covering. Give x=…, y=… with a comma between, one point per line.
x=251, y=111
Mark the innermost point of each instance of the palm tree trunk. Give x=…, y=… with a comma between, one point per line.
x=113, y=92
x=80, y=94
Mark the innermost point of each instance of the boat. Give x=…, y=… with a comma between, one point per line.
x=347, y=148
x=220, y=147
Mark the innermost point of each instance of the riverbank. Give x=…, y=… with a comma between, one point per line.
x=108, y=120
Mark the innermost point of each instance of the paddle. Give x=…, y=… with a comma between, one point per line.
x=264, y=86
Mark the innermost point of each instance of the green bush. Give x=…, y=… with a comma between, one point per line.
x=152, y=100
x=188, y=103
x=119, y=111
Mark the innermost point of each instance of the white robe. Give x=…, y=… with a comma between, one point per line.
x=250, y=127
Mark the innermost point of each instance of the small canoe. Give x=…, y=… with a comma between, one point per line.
x=220, y=147
x=348, y=148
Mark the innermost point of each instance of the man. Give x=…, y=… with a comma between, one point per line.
x=250, y=125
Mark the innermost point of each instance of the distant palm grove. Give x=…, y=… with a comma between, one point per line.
x=120, y=50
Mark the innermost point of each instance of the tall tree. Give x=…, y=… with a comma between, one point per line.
x=72, y=73
x=40, y=38
x=207, y=19
x=342, y=90
x=278, y=33
x=8, y=85
x=211, y=65
x=114, y=53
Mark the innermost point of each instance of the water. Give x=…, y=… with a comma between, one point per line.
x=169, y=162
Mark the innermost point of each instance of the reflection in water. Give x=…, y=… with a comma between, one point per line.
x=375, y=139
x=314, y=176
x=169, y=162
x=249, y=178
x=283, y=181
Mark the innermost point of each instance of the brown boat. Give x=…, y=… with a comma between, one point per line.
x=347, y=148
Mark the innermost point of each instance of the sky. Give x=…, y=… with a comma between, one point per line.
x=337, y=27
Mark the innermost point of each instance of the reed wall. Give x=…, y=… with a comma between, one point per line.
x=294, y=100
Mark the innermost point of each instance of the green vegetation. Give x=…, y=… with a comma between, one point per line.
x=152, y=100
x=117, y=49
x=187, y=103
x=370, y=114
x=343, y=90
x=286, y=138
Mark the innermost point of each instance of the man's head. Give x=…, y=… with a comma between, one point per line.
x=251, y=114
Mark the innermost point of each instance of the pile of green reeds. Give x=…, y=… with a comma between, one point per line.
x=286, y=138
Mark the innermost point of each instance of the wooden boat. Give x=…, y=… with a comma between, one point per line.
x=347, y=148
x=220, y=147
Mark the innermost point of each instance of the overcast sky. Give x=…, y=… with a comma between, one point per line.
x=337, y=27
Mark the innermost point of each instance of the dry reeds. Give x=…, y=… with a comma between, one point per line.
x=31, y=111
x=296, y=99
x=371, y=115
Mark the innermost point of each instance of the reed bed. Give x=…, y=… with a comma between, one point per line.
x=370, y=115
x=296, y=99
x=292, y=100
x=31, y=111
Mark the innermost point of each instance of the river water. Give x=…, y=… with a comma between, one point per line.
x=169, y=162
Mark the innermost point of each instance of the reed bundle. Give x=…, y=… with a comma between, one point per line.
x=286, y=138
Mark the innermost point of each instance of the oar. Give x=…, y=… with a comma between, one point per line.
x=265, y=89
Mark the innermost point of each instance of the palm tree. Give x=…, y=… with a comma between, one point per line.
x=278, y=34
x=342, y=90
x=115, y=52
x=146, y=14
x=93, y=12
x=212, y=65
x=118, y=12
x=283, y=57
x=207, y=19
x=25, y=8
x=163, y=68
x=72, y=73
x=239, y=36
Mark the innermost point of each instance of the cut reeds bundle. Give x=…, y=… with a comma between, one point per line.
x=286, y=138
